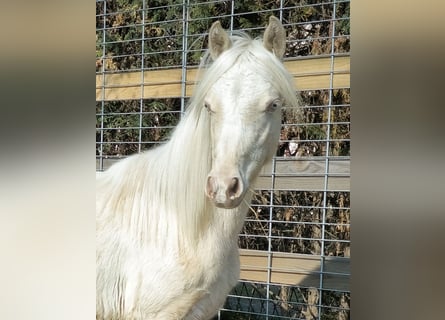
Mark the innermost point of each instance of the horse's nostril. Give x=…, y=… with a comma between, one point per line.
x=233, y=188
x=210, y=188
x=224, y=192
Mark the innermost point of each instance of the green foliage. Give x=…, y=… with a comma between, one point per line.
x=164, y=28
x=123, y=123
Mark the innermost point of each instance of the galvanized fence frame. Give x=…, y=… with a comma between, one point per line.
x=296, y=242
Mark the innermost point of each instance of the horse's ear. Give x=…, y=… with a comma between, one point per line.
x=274, y=38
x=219, y=40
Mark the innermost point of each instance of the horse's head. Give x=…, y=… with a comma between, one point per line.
x=244, y=103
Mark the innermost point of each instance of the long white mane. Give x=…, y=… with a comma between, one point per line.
x=165, y=194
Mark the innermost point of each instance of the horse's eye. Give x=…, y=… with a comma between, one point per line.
x=273, y=105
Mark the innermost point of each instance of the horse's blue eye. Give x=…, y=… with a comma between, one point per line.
x=274, y=105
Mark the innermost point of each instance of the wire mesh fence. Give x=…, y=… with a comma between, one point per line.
x=295, y=244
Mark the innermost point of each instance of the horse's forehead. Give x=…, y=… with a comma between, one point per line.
x=239, y=81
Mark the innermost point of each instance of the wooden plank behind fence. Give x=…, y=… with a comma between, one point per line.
x=295, y=269
x=309, y=74
x=304, y=174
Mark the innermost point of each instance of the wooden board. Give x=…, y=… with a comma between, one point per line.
x=330, y=273
x=302, y=174
x=309, y=74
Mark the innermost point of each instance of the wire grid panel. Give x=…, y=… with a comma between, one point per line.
x=295, y=244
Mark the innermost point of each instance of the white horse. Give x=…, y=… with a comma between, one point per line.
x=168, y=219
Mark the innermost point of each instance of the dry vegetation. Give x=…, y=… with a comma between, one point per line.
x=298, y=220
